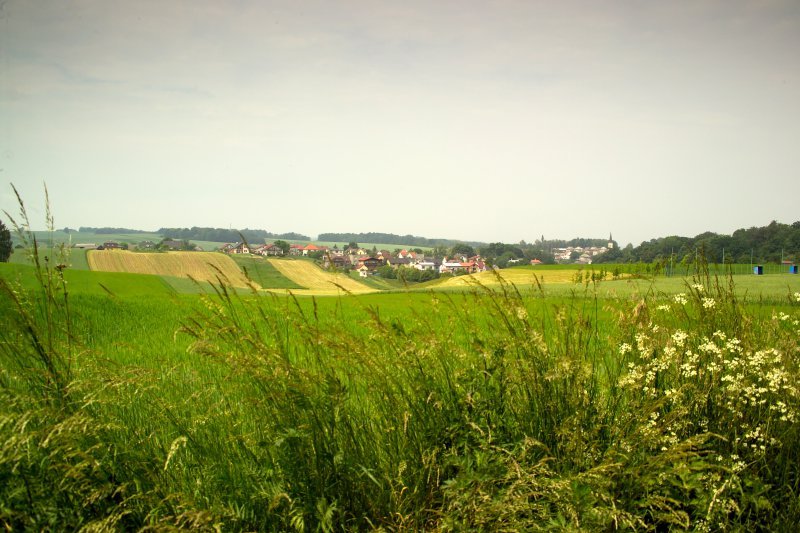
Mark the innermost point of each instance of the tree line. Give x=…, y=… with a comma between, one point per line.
x=252, y=236
x=105, y=231
x=389, y=238
x=766, y=244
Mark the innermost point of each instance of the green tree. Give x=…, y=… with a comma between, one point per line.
x=387, y=272
x=5, y=243
x=462, y=249
x=503, y=259
x=439, y=251
x=284, y=246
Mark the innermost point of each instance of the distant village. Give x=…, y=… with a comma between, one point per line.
x=580, y=255
x=365, y=262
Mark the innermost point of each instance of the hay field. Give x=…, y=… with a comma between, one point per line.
x=519, y=277
x=318, y=281
x=202, y=266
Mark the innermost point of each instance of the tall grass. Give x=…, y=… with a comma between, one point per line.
x=484, y=410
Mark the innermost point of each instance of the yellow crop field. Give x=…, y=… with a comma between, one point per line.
x=202, y=266
x=318, y=281
x=518, y=277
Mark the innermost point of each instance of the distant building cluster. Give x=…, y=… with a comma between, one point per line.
x=365, y=262
x=578, y=254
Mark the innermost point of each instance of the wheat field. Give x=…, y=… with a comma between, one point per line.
x=201, y=266
x=518, y=277
x=318, y=281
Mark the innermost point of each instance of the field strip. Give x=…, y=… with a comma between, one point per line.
x=318, y=281
x=202, y=266
x=518, y=277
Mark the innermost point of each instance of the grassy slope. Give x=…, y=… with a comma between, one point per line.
x=244, y=421
x=561, y=279
x=94, y=238
x=260, y=270
x=95, y=283
x=377, y=282
x=209, y=432
x=308, y=274
x=76, y=259
x=201, y=266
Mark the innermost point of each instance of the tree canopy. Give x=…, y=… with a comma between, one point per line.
x=387, y=238
x=252, y=236
x=5, y=243
x=768, y=244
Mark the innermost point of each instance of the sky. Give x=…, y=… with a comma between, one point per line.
x=482, y=121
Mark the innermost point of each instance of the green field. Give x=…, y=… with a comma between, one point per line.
x=262, y=272
x=73, y=238
x=57, y=237
x=132, y=401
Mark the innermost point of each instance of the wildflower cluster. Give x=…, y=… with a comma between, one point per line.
x=708, y=377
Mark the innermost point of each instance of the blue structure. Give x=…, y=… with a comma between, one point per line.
x=758, y=270
x=793, y=269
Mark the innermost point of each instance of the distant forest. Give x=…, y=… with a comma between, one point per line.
x=228, y=235
x=390, y=238
x=767, y=244
x=106, y=231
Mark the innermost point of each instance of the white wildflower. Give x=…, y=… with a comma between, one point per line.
x=624, y=348
x=708, y=303
x=709, y=347
x=698, y=287
x=680, y=298
x=641, y=342
x=679, y=337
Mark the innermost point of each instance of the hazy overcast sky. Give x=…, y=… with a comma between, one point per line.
x=491, y=121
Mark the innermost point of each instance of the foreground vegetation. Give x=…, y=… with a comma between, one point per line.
x=478, y=410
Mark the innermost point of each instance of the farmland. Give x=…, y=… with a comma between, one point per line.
x=307, y=274
x=200, y=266
x=560, y=403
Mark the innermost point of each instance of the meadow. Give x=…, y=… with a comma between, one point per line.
x=558, y=402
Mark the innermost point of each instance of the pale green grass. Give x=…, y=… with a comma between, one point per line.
x=555, y=409
x=260, y=270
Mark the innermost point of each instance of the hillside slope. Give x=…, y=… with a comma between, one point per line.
x=517, y=276
x=309, y=275
x=201, y=266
